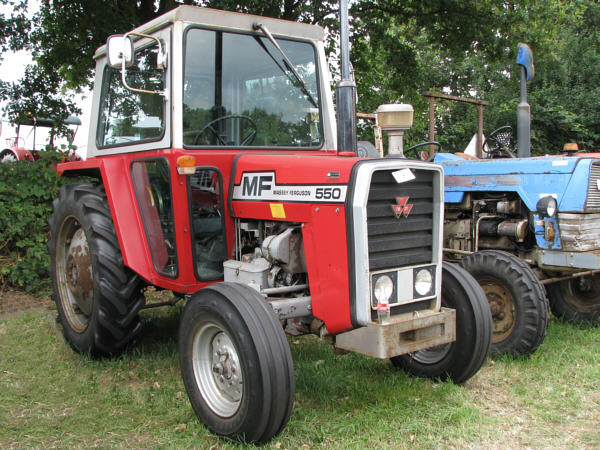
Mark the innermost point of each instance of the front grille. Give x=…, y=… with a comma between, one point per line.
x=403, y=241
x=592, y=202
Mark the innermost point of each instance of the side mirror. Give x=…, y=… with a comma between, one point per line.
x=119, y=48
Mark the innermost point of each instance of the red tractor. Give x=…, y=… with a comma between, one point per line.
x=15, y=148
x=213, y=145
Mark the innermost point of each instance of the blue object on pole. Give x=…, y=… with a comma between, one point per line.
x=525, y=59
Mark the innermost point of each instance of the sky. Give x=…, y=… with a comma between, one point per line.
x=12, y=68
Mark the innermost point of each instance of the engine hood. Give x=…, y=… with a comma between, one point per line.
x=565, y=178
x=290, y=178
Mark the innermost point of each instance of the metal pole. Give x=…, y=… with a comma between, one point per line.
x=431, y=123
x=345, y=89
x=479, y=146
x=524, y=120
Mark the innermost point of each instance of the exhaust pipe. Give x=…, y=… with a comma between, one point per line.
x=525, y=61
x=345, y=89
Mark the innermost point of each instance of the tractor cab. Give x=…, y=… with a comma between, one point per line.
x=201, y=79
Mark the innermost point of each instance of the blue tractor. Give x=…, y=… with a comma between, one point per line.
x=526, y=227
x=519, y=223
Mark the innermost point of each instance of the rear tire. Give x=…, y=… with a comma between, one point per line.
x=236, y=363
x=7, y=157
x=97, y=297
x=364, y=149
x=461, y=359
x=516, y=298
x=576, y=300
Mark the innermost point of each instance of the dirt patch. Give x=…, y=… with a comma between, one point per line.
x=13, y=301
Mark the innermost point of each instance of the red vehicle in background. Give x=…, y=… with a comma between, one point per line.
x=15, y=147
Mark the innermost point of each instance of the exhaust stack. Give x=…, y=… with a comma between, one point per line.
x=345, y=90
x=525, y=60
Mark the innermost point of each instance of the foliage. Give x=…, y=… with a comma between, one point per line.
x=472, y=53
x=399, y=50
x=26, y=194
x=64, y=34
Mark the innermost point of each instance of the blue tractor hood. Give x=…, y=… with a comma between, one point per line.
x=566, y=178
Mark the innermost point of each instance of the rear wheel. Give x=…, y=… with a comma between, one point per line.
x=461, y=359
x=364, y=149
x=96, y=296
x=7, y=156
x=577, y=300
x=516, y=298
x=236, y=363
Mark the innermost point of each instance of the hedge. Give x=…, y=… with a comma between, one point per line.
x=26, y=193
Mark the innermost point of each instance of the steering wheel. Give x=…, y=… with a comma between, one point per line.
x=499, y=141
x=424, y=154
x=210, y=127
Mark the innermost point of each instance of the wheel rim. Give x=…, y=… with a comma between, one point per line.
x=217, y=369
x=431, y=355
x=74, y=274
x=502, y=306
x=582, y=293
x=434, y=355
x=8, y=157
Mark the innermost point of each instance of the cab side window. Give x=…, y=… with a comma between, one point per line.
x=208, y=235
x=152, y=186
x=131, y=117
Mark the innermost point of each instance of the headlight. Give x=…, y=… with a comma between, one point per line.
x=423, y=281
x=384, y=288
x=546, y=206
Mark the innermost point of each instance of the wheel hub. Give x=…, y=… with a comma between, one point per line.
x=502, y=307
x=226, y=367
x=582, y=294
x=217, y=368
x=78, y=267
x=74, y=274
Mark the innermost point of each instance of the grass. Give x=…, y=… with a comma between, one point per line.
x=53, y=397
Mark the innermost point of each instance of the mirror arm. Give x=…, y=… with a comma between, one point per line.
x=161, y=60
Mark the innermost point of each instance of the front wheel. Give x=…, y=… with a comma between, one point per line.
x=236, y=363
x=461, y=359
x=517, y=300
x=576, y=300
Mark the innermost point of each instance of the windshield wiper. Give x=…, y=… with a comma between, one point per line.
x=286, y=61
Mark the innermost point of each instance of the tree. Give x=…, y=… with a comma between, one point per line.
x=445, y=47
x=400, y=48
x=64, y=34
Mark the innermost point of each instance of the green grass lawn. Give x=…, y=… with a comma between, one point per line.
x=52, y=397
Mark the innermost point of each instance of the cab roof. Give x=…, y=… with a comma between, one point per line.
x=226, y=20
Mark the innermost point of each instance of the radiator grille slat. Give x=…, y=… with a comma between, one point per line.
x=405, y=240
x=592, y=202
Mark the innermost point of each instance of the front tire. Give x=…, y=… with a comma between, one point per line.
x=516, y=298
x=236, y=363
x=461, y=359
x=576, y=300
x=96, y=296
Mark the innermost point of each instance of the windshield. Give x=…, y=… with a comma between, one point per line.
x=239, y=92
